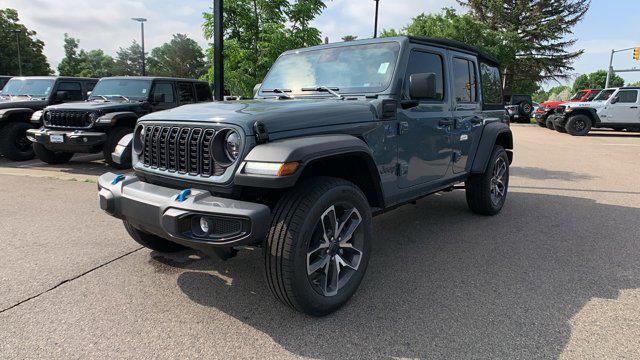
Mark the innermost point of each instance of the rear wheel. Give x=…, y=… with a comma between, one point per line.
x=14, y=144
x=113, y=138
x=487, y=192
x=550, y=125
x=152, y=242
x=578, y=125
x=319, y=244
x=51, y=157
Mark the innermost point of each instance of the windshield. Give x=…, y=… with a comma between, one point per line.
x=28, y=87
x=578, y=95
x=604, y=95
x=593, y=95
x=347, y=69
x=117, y=88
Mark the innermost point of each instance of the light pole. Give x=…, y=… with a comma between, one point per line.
x=17, y=32
x=218, y=45
x=611, y=71
x=375, y=28
x=142, y=21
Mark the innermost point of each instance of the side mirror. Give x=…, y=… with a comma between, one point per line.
x=158, y=98
x=615, y=99
x=61, y=96
x=256, y=89
x=422, y=86
x=88, y=93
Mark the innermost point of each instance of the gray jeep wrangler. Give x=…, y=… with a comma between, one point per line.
x=336, y=134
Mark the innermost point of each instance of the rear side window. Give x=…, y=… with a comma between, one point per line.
x=73, y=90
x=166, y=89
x=203, y=92
x=627, y=96
x=491, y=85
x=464, y=81
x=424, y=62
x=592, y=95
x=90, y=86
x=185, y=93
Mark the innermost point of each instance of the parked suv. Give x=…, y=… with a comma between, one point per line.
x=519, y=107
x=548, y=108
x=110, y=114
x=336, y=134
x=617, y=108
x=21, y=100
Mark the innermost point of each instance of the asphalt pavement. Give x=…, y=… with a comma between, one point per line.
x=556, y=274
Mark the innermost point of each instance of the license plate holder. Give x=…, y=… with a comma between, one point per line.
x=56, y=139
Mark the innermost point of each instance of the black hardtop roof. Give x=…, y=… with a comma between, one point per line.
x=54, y=78
x=151, y=78
x=630, y=88
x=437, y=42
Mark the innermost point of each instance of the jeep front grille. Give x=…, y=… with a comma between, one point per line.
x=180, y=149
x=77, y=119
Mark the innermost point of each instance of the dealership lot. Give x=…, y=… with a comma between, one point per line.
x=555, y=274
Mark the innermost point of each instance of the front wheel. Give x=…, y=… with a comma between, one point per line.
x=151, y=241
x=487, y=192
x=113, y=138
x=578, y=125
x=550, y=125
x=318, y=247
x=14, y=144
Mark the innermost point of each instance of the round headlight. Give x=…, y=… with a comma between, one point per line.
x=232, y=145
x=138, y=140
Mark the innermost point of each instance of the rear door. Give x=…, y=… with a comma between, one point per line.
x=467, y=110
x=186, y=93
x=424, y=146
x=163, y=88
x=625, y=110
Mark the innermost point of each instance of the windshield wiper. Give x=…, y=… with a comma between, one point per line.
x=124, y=97
x=331, y=90
x=281, y=92
x=99, y=96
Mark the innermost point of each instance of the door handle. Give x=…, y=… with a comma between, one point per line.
x=634, y=107
x=445, y=122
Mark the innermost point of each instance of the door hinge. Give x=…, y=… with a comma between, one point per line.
x=402, y=169
x=403, y=127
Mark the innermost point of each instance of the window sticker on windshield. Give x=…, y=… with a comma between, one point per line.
x=383, y=68
x=144, y=91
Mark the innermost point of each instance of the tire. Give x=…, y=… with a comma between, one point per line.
x=51, y=157
x=550, y=125
x=542, y=124
x=560, y=129
x=578, y=125
x=113, y=138
x=487, y=192
x=14, y=144
x=295, y=242
x=525, y=109
x=151, y=241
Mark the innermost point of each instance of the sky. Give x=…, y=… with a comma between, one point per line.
x=106, y=25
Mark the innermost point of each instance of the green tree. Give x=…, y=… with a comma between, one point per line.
x=637, y=83
x=349, y=38
x=70, y=64
x=538, y=33
x=389, y=33
x=181, y=57
x=93, y=63
x=129, y=60
x=257, y=32
x=31, y=49
x=596, y=80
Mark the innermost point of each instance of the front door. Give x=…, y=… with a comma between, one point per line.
x=467, y=111
x=424, y=146
x=625, y=110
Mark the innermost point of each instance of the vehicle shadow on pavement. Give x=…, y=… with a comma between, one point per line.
x=544, y=174
x=81, y=164
x=616, y=134
x=444, y=283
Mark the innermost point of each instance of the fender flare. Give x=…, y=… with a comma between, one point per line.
x=305, y=150
x=490, y=135
x=112, y=118
x=6, y=113
x=590, y=112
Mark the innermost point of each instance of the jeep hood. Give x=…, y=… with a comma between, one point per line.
x=22, y=102
x=109, y=106
x=593, y=104
x=276, y=115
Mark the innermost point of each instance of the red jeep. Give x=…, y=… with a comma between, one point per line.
x=549, y=107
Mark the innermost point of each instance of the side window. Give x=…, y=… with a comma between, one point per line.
x=185, y=93
x=203, y=92
x=491, y=85
x=73, y=90
x=166, y=89
x=464, y=81
x=91, y=85
x=424, y=62
x=628, y=96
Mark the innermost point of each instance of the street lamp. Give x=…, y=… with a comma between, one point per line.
x=17, y=32
x=375, y=28
x=142, y=21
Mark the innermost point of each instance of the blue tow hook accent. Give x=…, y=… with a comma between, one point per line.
x=184, y=194
x=117, y=179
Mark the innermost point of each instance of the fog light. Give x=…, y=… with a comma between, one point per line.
x=204, y=225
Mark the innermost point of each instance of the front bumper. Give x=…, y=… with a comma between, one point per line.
x=159, y=211
x=75, y=141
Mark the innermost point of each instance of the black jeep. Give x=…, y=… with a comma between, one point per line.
x=3, y=80
x=519, y=107
x=110, y=114
x=21, y=102
x=335, y=135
